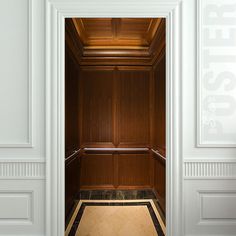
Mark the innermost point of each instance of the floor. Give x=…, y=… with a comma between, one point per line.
x=116, y=212
x=116, y=218
x=116, y=194
x=121, y=195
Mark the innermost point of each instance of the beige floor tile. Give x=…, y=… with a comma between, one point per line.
x=117, y=221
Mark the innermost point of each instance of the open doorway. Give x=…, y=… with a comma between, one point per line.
x=115, y=118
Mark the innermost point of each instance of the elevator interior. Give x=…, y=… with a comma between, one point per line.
x=115, y=105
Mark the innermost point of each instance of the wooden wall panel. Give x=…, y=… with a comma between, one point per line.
x=97, y=171
x=133, y=106
x=116, y=171
x=97, y=106
x=71, y=103
x=72, y=162
x=160, y=179
x=133, y=170
x=115, y=106
x=72, y=175
x=159, y=122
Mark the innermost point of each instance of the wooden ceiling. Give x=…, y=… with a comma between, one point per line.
x=112, y=39
x=116, y=32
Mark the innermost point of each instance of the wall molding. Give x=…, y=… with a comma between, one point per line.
x=22, y=216
x=207, y=217
x=209, y=169
x=22, y=169
x=29, y=142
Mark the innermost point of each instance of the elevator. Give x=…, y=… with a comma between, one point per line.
x=115, y=107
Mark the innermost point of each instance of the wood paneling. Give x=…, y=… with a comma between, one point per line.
x=72, y=40
x=72, y=164
x=116, y=31
x=97, y=106
x=133, y=170
x=72, y=175
x=115, y=171
x=115, y=107
x=71, y=103
x=158, y=43
x=160, y=106
x=97, y=171
x=133, y=106
x=120, y=104
x=115, y=60
x=160, y=180
x=107, y=41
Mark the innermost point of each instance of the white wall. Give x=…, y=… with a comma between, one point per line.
x=209, y=117
x=22, y=117
x=209, y=160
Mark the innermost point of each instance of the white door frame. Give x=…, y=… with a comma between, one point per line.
x=57, y=11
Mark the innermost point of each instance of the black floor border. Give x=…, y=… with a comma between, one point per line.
x=147, y=204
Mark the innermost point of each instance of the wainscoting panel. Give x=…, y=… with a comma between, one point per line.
x=133, y=170
x=22, y=196
x=97, y=171
x=72, y=181
x=210, y=207
x=115, y=171
x=19, y=207
x=160, y=179
x=217, y=205
x=22, y=207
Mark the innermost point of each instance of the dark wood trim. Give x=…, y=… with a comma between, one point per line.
x=117, y=150
x=116, y=170
x=158, y=42
x=72, y=182
x=79, y=27
x=72, y=40
x=80, y=108
x=161, y=201
x=104, y=52
x=71, y=54
x=151, y=106
x=115, y=107
x=120, y=187
x=151, y=169
x=133, y=145
x=98, y=145
x=135, y=68
x=103, y=61
x=161, y=54
x=97, y=67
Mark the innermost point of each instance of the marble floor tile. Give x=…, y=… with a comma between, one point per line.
x=115, y=217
